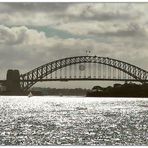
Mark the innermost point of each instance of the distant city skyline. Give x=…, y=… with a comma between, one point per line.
x=32, y=34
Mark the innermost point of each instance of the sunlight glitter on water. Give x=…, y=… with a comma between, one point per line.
x=51, y=120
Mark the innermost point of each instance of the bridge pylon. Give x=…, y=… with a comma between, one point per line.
x=13, y=82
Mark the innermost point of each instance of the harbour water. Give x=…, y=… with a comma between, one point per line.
x=73, y=121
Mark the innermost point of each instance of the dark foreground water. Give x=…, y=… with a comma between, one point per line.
x=73, y=121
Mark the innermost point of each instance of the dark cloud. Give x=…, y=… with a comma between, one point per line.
x=88, y=14
x=59, y=9
x=34, y=7
x=101, y=16
x=133, y=30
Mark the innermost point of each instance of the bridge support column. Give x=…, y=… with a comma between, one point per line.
x=13, y=82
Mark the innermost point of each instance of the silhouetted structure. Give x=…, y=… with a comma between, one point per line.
x=59, y=92
x=79, y=68
x=13, y=81
x=99, y=68
x=12, y=84
x=118, y=90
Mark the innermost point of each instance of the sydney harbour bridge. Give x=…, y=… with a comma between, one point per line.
x=79, y=68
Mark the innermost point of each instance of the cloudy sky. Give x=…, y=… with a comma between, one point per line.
x=32, y=34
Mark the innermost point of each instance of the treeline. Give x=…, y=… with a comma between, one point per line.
x=59, y=91
x=119, y=90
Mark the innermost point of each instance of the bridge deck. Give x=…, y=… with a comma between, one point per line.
x=78, y=79
x=83, y=79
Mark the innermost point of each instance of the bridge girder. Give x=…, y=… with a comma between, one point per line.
x=40, y=72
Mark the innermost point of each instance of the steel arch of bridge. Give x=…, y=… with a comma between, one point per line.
x=30, y=78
